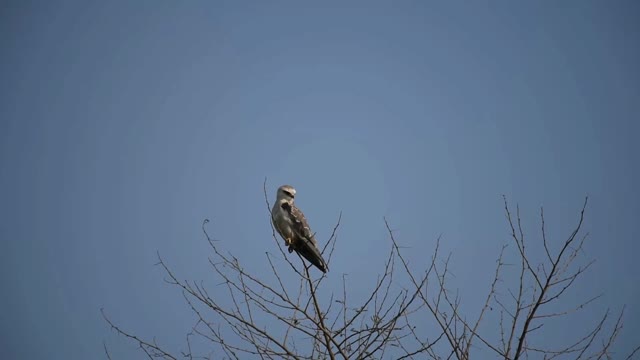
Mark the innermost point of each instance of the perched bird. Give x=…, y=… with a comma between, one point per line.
x=291, y=224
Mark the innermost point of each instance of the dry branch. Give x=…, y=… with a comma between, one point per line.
x=265, y=317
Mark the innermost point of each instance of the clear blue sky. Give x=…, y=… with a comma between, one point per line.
x=124, y=124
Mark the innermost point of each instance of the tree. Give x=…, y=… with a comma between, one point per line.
x=398, y=317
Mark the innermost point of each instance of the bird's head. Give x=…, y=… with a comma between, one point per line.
x=286, y=193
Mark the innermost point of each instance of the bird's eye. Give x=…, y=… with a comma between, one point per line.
x=288, y=193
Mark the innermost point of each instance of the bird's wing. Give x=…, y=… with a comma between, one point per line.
x=300, y=224
x=307, y=247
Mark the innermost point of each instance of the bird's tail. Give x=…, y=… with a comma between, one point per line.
x=312, y=254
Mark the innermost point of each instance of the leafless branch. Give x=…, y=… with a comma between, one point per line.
x=408, y=312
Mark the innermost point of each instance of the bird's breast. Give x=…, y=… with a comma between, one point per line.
x=283, y=224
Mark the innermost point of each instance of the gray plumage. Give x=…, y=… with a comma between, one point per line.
x=291, y=224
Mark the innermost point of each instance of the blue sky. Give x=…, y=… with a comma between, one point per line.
x=124, y=124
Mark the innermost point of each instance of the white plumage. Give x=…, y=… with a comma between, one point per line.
x=290, y=223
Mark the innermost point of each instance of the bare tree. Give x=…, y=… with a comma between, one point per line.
x=408, y=313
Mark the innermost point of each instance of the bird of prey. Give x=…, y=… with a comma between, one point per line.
x=291, y=224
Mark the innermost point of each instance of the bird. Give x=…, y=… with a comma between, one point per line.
x=294, y=229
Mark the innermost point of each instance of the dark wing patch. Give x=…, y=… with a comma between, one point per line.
x=312, y=254
x=305, y=244
x=301, y=227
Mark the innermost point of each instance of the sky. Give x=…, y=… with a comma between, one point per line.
x=123, y=125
